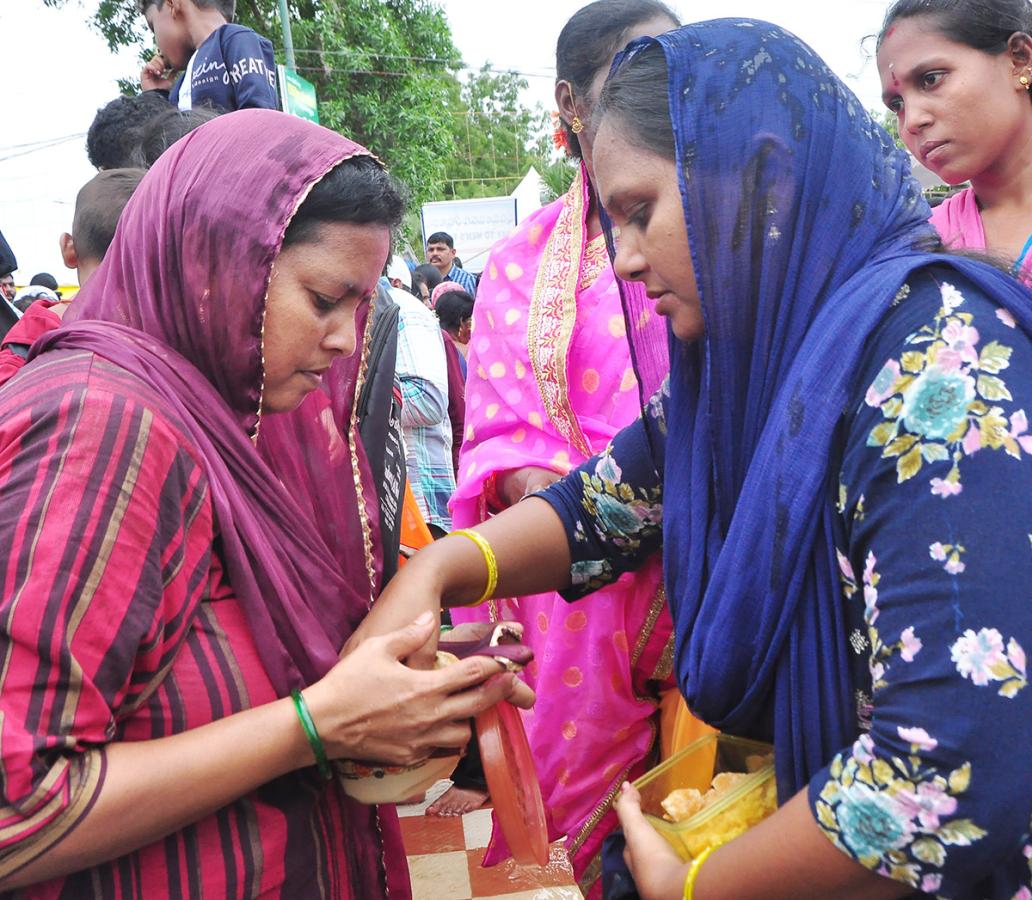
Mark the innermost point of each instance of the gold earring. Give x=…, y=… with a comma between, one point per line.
x=577, y=125
x=1025, y=83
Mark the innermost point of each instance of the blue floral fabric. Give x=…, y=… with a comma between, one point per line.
x=932, y=532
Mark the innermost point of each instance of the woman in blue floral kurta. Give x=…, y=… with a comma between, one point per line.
x=836, y=473
x=933, y=542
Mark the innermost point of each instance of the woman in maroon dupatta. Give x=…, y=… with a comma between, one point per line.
x=177, y=561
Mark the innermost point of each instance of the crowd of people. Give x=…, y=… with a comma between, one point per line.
x=734, y=431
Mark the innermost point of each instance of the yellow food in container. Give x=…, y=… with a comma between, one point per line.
x=710, y=793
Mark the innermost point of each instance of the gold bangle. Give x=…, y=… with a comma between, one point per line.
x=489, y=559
x=693, y=872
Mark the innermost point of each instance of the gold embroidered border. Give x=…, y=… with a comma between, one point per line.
x=553, y=313
x=655, y=609
x=596, y=261
x=363, y=513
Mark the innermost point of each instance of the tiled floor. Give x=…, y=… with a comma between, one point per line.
x=444, y=856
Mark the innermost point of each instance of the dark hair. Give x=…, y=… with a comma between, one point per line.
x=97, y=207
x=359, y=190
x=115, y=132
x=226, y=7
x=631, y=94
x=44, y=279
x=985, y=25
x=166, y=128
x=453, y=308
x=441, y=237
x=427, y=274
x=590, y=40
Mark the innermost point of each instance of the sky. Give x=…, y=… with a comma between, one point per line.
x=56, y=71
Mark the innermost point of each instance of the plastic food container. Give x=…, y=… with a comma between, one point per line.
x=746, y=804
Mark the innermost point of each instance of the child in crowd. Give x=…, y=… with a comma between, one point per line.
x=97, y=207
x=224, y=66
x=167, y=127
x=115, y=131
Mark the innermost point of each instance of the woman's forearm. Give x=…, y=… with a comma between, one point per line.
x=785, y=857
x=153, y=788
x=530, y=546
x=788, y=856
x=531, y=549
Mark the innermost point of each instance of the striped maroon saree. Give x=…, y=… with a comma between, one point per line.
x=161, y=570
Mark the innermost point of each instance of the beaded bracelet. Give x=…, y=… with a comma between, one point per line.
x=489, y=559
x=307, y=723
x=693, y=872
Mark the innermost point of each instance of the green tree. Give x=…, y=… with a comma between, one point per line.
x=496, y=136
x=887, y=119
x=384, y=71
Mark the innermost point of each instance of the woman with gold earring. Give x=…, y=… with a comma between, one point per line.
x=550, y=381
x=957, y=75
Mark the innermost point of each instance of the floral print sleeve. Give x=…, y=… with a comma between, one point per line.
x=612, y=505
x=934, y=534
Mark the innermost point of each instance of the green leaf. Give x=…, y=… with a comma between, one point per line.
x=934, y=452
x=909, y=465
x=882, y=772
x=899, y=446
x=881, y=434
x=994, y=357
x=929, y=851
x=960, y=832
x=993, y=388
x=978, y=408
x=892, y=408
x=1010, y=689
x=913, y=362
x=826, y=817
x=905, y=874
x=960, y=779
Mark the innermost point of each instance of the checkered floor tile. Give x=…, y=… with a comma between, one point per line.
x=444, y=856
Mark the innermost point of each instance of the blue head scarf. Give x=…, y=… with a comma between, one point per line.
x=804, y=223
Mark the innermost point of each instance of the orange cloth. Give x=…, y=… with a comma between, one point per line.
x=677, y=726
x=414, y=533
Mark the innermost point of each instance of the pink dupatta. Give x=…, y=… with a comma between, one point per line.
x=959, y=223
x=549, y=383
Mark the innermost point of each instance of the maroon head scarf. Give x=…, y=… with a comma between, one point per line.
x=179, y=302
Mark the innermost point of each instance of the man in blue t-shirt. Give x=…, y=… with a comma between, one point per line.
x=224, y=66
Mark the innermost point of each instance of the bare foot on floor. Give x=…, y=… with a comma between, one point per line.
x=456, y=801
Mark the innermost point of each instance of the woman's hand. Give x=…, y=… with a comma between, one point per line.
x=516, y=484
x=523, y=695
x=371, y=706
x=152, y=75
x=658, y=872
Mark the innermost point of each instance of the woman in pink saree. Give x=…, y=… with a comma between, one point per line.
x=550, y=381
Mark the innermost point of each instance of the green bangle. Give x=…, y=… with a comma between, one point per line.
x=318, y=750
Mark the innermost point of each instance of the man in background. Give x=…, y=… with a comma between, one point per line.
x=440, y=253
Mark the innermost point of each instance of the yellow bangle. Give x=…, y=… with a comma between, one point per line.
x=693, y=872
x=489, y=559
